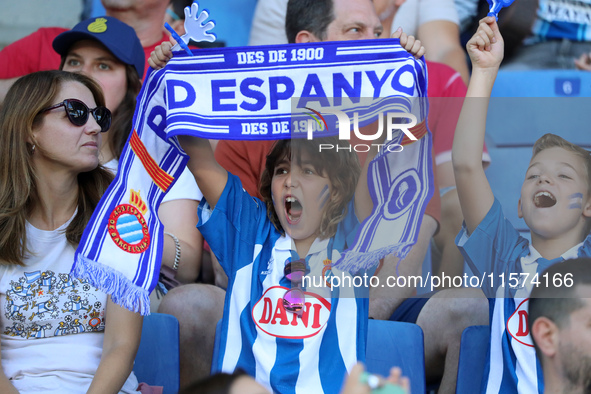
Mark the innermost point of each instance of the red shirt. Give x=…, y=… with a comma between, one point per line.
x=30, y=54
x=35, y=53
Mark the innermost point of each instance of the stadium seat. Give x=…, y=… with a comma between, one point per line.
x=389, y=344
x=396, y=344
x=216, y=347
x=542, y=83
x=473, y=350
x=157, y=359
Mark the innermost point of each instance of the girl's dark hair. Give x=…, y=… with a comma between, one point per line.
x=341, y=167
x=21, y=112
x=123, y=115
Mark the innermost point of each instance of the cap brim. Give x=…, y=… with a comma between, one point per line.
x=63, y=42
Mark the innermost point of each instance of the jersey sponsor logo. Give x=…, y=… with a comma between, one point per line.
x=127, y=225
x=517, y=324
x=271, y=317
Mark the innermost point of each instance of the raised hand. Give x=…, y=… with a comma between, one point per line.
x=583, y=62
x=412, y=45
x=496, y=5
x=486, y=47
x=160, y=55
x=195, y=28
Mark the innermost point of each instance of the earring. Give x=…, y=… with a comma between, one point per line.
x=33, y=149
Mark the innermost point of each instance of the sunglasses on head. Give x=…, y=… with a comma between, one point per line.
x=295, y=298
x=77, y=113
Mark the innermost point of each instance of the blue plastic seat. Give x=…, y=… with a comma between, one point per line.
x=389, y=344
x=157, y=359
x=396, y=344
x=542, y=83
x=216, y=347
x=473, y=351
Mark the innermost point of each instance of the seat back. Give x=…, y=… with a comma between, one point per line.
x=473, y=350
x=389, y=344
x=396, y=344
x=542, y=83
x=157, y=359
x=216, y=347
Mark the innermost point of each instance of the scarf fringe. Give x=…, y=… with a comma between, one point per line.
x=123, y=292
x=353, y=261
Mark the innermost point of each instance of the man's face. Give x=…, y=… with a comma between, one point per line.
x=354, y=20
x=574, y=349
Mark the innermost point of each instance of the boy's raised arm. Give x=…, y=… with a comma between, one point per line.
x=486, y=53
x=210, y=176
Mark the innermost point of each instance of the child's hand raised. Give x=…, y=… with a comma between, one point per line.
x=161, y=55
x=412, y=45
x=486, y=47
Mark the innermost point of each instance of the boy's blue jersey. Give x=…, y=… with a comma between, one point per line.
x=495, y=249
x=558, y=19
x=289, y=354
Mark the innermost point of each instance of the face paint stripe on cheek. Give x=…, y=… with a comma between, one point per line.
x=575, y=201
x=324, y=196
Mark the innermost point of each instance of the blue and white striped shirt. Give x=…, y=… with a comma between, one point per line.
x=288, y=354
x=496, y=248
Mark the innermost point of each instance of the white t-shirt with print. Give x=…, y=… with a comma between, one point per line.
x=43, y=312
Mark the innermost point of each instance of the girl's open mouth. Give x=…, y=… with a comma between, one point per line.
x=293, y=210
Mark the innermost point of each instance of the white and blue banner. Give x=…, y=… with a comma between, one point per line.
x=247, y=93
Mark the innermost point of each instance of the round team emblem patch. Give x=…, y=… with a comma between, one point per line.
x=128, y=229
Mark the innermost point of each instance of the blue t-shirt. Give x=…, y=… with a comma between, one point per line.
x=495, y=250
x=558, y=19
x=287, y=353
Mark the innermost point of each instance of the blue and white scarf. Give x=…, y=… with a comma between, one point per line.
x=258, y=93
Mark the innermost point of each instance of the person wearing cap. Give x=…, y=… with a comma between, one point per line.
x=110, y=52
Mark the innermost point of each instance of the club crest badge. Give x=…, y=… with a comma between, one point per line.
x=95, y=320
x=128, y=227
x=98, y=26
x=326, y=272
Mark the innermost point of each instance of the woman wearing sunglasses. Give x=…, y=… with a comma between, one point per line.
x=55, y=335
x=109, y=51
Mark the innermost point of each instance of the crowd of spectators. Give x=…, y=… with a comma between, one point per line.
x=50, y=185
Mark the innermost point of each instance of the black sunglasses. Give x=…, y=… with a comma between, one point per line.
x=77, y=113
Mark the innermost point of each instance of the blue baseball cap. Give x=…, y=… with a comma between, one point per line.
x=118, y=37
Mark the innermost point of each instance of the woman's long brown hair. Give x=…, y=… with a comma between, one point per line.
x=19, y=115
